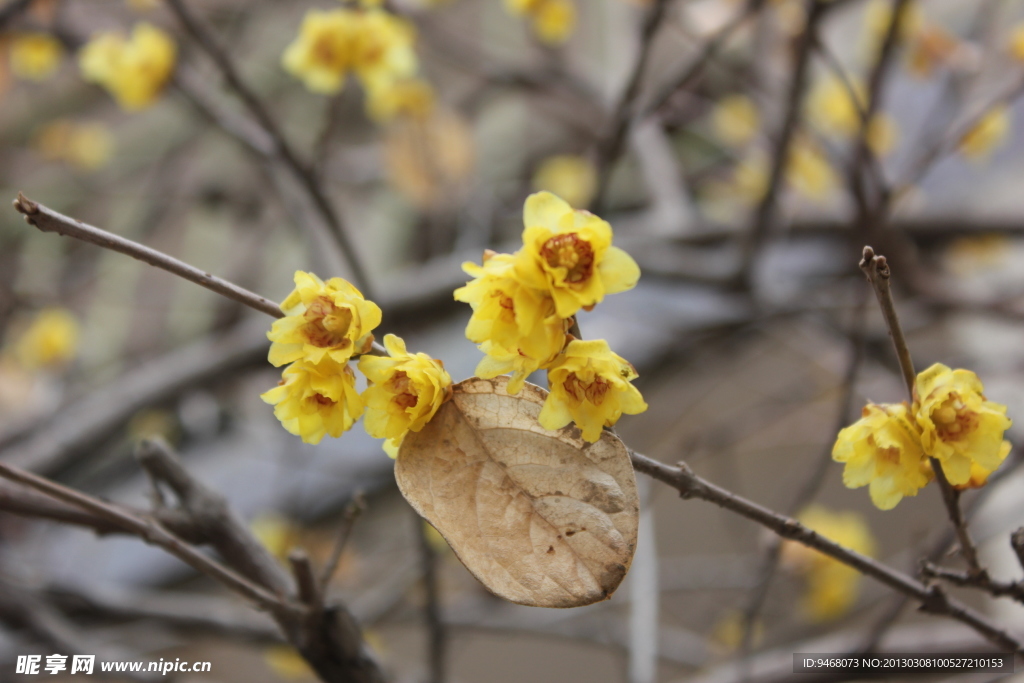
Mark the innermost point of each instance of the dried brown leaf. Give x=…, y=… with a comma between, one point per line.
x=540, y=517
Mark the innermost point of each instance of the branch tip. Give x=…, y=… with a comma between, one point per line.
x=25, y=206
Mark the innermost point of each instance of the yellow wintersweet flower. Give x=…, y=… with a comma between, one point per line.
x=931, y=48
x=979, y=475
x=375, y=45
x=411, y=98
x=316, y=398
x=51, y=339
x=591, y=386
x=322, y=319
x=735, y=120
x=832, y=586
x=405, y=391
x=571, y=177
x=959, y=426
x=878, y=16
x=750, y=178
x=569, y=254
x=134, y=70
x=883, y=450
x=552, y=20
x=86, y=146
x=35, y=56
x=988, y=133
x=513, y=320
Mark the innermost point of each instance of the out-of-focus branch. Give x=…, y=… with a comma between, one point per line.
x=932, y=599
x=281, y=148
x=214, y=521
x=764, y=216
x=437, y=632
x=13, y=10
x=611, y=146
x=150, y=531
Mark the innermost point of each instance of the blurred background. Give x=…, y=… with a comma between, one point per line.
x=744, y=153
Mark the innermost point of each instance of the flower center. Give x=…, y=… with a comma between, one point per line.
x=321, y=400
x=401, y=385
x=572, y=253
x=591, y=391
x=953, y=421
x=325, y=52
x=327, y=326
x=890, y=454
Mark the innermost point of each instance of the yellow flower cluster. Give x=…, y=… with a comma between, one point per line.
x=325, y=325
x=552, y=20
x=372, y=44
x=832, y=586
x=950, y=420
x=524, y=303
x=134, y=70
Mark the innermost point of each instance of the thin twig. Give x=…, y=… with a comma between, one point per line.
x=355, y=508
x=1012, y=589
x=152, y=533
x=932, y=599
x=1017, y=543
x=48, y=220
x=810, y=487
x=877, y=271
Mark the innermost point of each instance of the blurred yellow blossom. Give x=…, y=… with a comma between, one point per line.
x=516, y=325
x=735, y=120
x=1016, y=42
x=374, y=45
x=569, y=255
x=277, y=533
x=832, y=586
x=430, y=159
x=314, y=399
x=990, y=132
x=134, y=70
x=931, y=48
x=591, y=386
x=34, y=56
x=322, y=319
x=967, y=255
x=409, y=98
x=404, y=393
x=571, y=177
x=727, y=633
x=808, y=170
x=883, y=450
x=50, y=340
x=959, y=426
x=85, y=146
x=836, y=109
x=287, y=663
x=553, y=21
x=878, y=16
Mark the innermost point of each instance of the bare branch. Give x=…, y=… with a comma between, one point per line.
x=932, y=600
x=48, y=220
